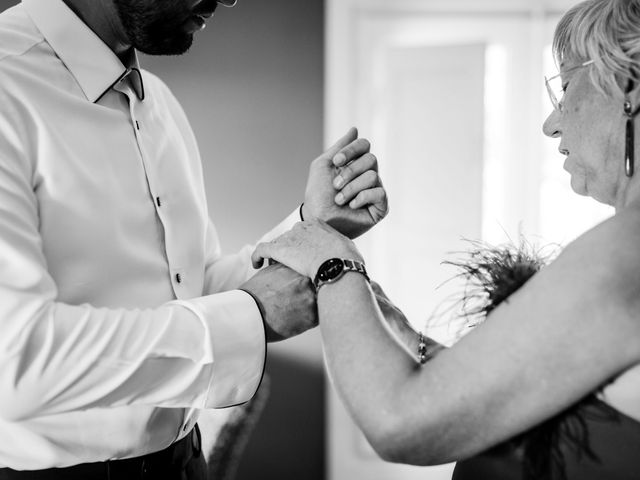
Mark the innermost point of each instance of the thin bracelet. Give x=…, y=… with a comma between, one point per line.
x=422, y=349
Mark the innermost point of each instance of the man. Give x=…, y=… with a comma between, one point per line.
x=119, y=317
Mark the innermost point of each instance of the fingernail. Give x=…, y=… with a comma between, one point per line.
x=339, y=159
x=339, y=199
x=338, y=181
x=353, y=204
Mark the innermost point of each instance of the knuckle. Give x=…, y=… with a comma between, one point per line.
x=362, y=197
x=371, y=177
x=357, y=201
x=348, y=151
x=346, y=172
x=348, y=191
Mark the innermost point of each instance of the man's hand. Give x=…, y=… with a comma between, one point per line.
x=287, y=301
x=344, y=188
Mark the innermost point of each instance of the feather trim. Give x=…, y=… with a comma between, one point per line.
x=493, y=274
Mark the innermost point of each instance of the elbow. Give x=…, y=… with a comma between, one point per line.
x=410, y=442
x=395, y=451
x=390, y=450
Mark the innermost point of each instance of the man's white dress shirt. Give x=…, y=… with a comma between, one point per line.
x=118, y=314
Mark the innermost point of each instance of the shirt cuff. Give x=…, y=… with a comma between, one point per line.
x=235, y=329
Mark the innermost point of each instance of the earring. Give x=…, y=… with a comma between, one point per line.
x=629, y=153
x=630, y=112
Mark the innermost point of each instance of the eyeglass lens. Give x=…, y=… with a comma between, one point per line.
x=555, y=91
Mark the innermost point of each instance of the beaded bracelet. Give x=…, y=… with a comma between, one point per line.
x=422, y=349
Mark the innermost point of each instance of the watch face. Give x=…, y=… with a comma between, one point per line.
x=330, y=269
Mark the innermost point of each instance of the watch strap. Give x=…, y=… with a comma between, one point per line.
x=334, y=268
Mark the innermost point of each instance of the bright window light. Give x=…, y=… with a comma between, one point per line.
x=495, y=105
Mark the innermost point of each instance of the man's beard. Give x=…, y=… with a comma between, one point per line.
x=155, y=28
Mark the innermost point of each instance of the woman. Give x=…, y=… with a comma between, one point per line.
x=571, y=330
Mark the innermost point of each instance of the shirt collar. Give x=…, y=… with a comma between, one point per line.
x=94, y=65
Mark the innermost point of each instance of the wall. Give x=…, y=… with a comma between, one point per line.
x=252, y=86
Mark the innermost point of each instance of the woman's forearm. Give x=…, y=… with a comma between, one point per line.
x=402, y=330
x=370, y=368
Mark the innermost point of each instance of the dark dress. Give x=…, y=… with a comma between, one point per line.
x=608, y=448
x=589, y=440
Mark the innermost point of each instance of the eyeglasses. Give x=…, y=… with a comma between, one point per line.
x=555, y=87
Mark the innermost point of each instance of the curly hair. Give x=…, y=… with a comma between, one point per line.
x=607, y=32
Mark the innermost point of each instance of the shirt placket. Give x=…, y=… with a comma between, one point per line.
x=160, y=201
x=158, y=196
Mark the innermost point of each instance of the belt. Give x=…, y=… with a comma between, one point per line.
x=166, y=463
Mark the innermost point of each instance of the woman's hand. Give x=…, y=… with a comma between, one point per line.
x=305, y=247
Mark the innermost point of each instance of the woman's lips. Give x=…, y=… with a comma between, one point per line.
x=569, y=164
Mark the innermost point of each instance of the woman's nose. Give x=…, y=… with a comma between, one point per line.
x=551, y=126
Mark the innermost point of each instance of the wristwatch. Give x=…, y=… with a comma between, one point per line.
x=334, y=268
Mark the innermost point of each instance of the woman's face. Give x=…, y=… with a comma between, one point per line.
x=591, y=128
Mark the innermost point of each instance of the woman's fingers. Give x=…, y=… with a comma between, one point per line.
x=288, y=249
x=258, y=256
x=301, y=247
x=265, y=251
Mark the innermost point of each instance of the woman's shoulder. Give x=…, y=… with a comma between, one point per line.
x=608, y=254
x=621, y=227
